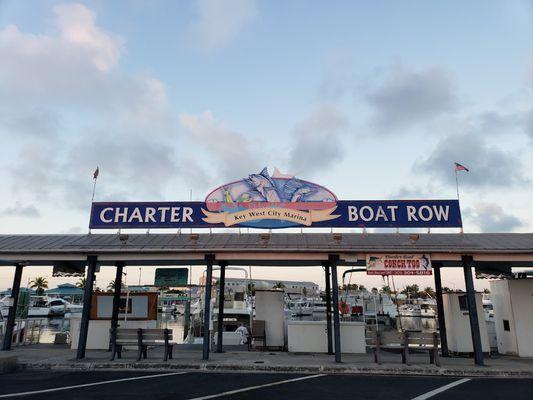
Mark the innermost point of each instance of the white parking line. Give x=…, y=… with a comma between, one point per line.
x=89, y=384
x=441, y=389
x=212, y=396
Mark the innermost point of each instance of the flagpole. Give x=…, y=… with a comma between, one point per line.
x=95, y=178
x=457, y=188
x=457, y=183
x=94, y=188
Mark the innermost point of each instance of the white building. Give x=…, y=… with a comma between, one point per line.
x=304, y=288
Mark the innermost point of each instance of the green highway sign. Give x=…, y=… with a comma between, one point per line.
x=171, y=277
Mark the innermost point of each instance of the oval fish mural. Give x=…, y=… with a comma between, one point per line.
x=264, y=201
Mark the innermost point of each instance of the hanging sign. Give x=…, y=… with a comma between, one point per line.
x=398, y=264
x=277, y=201
x=171, y=277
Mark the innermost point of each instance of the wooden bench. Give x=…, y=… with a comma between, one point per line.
x=142, y=338
x=425, y=341
x=402, y=341
x=258, y=332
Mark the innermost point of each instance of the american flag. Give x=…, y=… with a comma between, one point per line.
x=96, y=172
x=460, y=167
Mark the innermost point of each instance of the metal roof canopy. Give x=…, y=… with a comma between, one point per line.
x=264, y=249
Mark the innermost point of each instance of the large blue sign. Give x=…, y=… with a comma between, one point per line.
x=278, y=201
x=346, y=214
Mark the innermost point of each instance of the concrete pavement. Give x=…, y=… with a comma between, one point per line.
x=189, y=358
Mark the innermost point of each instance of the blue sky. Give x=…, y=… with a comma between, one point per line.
x=371, y=99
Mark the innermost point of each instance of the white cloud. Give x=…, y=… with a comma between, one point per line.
x=75, y=68
x=66, y=107
x=317, y=140
x=530, y=71
x=408, y=98
x=491, y=217
x=233, y=152
x=220, y=21
x=490, y=166
x=77, y=25
x=19, y=210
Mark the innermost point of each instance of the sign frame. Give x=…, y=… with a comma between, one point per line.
x=398, y=264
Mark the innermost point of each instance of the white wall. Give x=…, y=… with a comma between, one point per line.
x=513, y=301
x=269, y=305
x=98, y=334
x=311, y=337
x=457, y=321
x=501, y=302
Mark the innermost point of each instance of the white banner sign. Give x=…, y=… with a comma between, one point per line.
x=398, y=264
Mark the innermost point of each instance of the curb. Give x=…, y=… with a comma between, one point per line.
x=311, y=369
x=8, y=363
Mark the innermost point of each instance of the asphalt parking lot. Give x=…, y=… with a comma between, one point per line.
x=257, y=386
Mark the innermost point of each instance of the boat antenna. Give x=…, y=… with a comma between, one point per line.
x=396, y=302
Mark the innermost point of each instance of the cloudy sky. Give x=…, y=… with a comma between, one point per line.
x=374, y=100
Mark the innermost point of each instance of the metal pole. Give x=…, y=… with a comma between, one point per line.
x=468, y=263
x=221, y=285
x=209, y=258
x=116, y=296
x=457, y=184
x=328, y=308
x=440, y=312
x=87, y=298
x=336, y=320
x=15, y=290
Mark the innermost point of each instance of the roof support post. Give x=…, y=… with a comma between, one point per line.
x=468, y=263
x=440, y=311
x=209, y=258
x=332, y=261
x=116, y=295
x=220, y=324
x=87, y=299
x=15, y=290
x=328, y=307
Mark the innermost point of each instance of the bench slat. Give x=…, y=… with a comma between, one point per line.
x=420, y=341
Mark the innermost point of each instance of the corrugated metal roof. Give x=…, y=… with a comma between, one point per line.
x=282, y=242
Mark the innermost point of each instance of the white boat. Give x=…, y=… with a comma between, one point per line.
x=488, y=308
x=300, y=307
x=56, y=306
x=237, y=310
x=43, y=306
x=423, y=310
x=17, y=329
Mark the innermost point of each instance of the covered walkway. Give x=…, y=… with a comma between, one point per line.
x=497, y=252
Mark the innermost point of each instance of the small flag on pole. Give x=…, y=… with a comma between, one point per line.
x=96, y=172
x=460, y=167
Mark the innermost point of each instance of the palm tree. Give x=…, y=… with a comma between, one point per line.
x=351, y=286
x=39, y=284
x=111, y=286
x=279, y=285
x=430, y=292
x=251, y=288
x=411, y=290
x=386, y=289
x=81, y=283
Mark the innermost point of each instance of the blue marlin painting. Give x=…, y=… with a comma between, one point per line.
x=261, y=190
x=264, y=185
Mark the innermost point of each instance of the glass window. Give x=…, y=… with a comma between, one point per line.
x=463, y=303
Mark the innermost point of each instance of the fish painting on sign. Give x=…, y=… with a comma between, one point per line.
x=265, y=201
